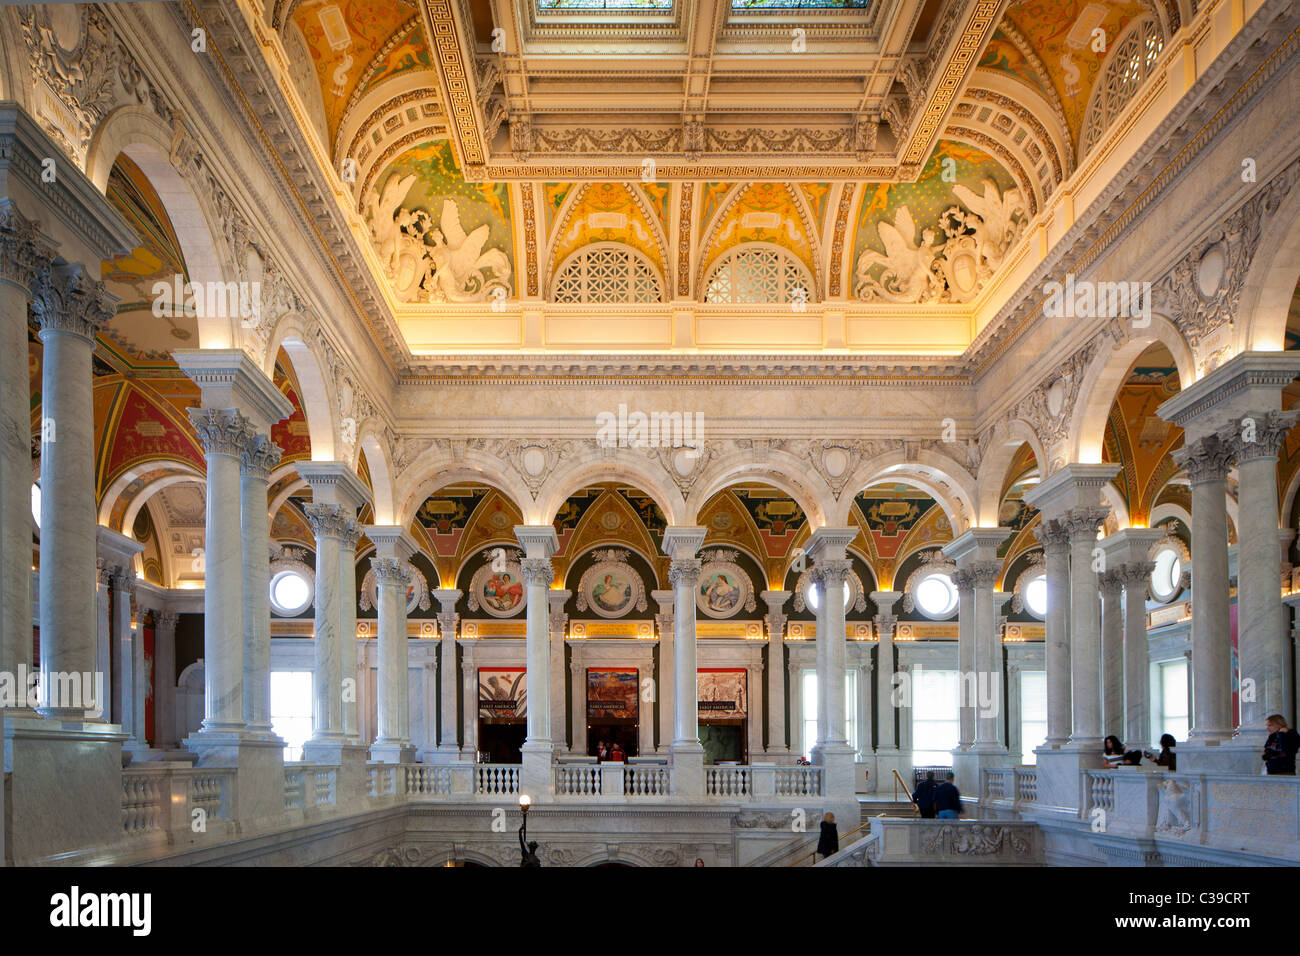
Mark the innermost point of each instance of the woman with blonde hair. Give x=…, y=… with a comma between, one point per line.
x=1280, y=747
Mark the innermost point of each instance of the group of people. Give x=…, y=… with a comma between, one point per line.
x=1116, y=756
x=937, y=800
x=611, y=751
x=1279, y=750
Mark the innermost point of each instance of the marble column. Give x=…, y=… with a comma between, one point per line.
x=469, y=694
x=391, y=564
x=164, y=696
x=827, y=547
x=578, y=716
x=777, y=746
x=1207, y=461
x=1137, y=661
x=1112, y=650
x=330, y=524
x=224, y=433
x=665, y=675
x=557, y=619
x=681, y=544
x=887, y=686
x=125, y=649
x=24, y=254
x=104, y=622
x=965, y=585
x=348, y=632
x=1085, y=627
x=69, y=307
x=448, y=673
x=1261, y=636
x=987, y=685
x=1056, y=641
x=259, y=459
x=539, y=543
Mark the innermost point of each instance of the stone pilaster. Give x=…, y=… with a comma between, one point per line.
x=259, y=459
x=681, y=544
x=1085, y=628
x=1056, y=562
x=664, y=681
x=1111, y=588
x=348, y=632
x=329, y=523
x=1135, y=579
x=557, y=619
x=965, y=584
x=539, y=543
x=777, y=745
x=827, y=547
x=164, y=697
x=393, y=742
x=448, y=674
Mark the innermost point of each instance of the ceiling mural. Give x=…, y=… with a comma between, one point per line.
x=1005, y=55
x=940, y=238
x=763, y=212
x=439, y=238
x=405, y=51
x=1139, y=439
x=816, y=195
x=603, y=514
x=553, y=196
x=607, y=212
x=1013, y=511
x=1061, y=33
x=142, y=429
x=344, y=38
x=291, y=435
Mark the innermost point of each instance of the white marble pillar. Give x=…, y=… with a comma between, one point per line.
x=469, y=694
x=393, y=742
x=225, y=434
x=1137, y=661
x=1207, y=461
x=164, y=694
x=887, y=691
x=448, y=747
x=259, y=459
x=1112, y=651
x=794, y=679
x=777, y=745
x=827, y=547
x=24, y=253
x=329, y=523
x=681, y=544
x=125, y=676
x=1085, y=627
x=104, y=622
x=557, y=619
x=348, y=632
x=69, y=307
x=578, y=716
x=1056, y=564
x=1261, y=637
x=665, y=675
x=987, y=685
x=539, y=543
x=965, y=585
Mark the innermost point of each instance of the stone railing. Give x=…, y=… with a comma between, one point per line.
x=497, y=780
x=429, y=780
x=727, y=782
x=798, y=781
x=1009, y=787
x=647, y=781
x=928, y=842
x=579, y=780
x=384, y=781
x=308, y=786
x=1234, y=812
x=863, y=852
x=173, y=801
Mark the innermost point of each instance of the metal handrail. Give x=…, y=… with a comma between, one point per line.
x=865, y=825
x=898, y=780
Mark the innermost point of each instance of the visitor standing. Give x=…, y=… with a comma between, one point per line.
x=1280, y=747
x=829, y=841
x=947, y=799
x=924, y=796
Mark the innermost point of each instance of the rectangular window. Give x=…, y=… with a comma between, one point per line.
x=1033, y=713
x=810, y=710
x=936, y=726
x=291, y=704
x=1173, y=699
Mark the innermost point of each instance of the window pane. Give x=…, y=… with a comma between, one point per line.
x=1033, y=713
x=291, y=705
x=935, y=723
x=1173, y=710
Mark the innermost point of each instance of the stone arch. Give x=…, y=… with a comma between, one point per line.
x=1271, y=279
x=1168, y=509
x=1103, y=378
x=316, y=387
x=623, y=465
x=432, y=471
x=141, y=135
x=151, y=489
x=119, y=485
x=371, y=440
x=1111, y=498
x=1003, y=444
x=15, y=64
x=289, y=490
x=780, y=469
x=939, y=476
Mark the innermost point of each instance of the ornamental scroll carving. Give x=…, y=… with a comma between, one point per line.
x=976, y=839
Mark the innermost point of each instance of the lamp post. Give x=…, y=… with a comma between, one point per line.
x=527, y=851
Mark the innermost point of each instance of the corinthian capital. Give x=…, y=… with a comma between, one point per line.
x=537, y=571
x=391, y=571
x=684, y=572
x=1135, y=575
x=984, y=574
x=329, y=521
x=830, y=572
x=24, y=252
x=68, y=299
x=1206, y=459
x=221, y=431
x=259, y=457
x=1260, y=436
x=1082, y=523
x=1055, y=537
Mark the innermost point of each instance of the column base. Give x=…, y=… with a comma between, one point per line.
x=836, y=759
x=1058, y=775
x=888, y=760
x=256, y=796
x=1234, y=755
x=688, y=768
x=66, y=789
x=392, y=751
x=537, y=772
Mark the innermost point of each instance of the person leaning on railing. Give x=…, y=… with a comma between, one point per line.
x=1280, y=747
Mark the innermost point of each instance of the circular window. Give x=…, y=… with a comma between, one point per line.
x=291, y=593
x=36, y=505
x=935, y=595
x=1165, y=576
x=815, y=595
x=1036, y=596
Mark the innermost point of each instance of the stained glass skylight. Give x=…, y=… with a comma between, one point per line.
x=560, y=6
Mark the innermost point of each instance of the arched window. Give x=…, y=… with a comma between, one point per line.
x=757, y=274
x=1130, y=64
x=607, y=273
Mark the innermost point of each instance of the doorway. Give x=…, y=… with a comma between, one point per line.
x=502, y=740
